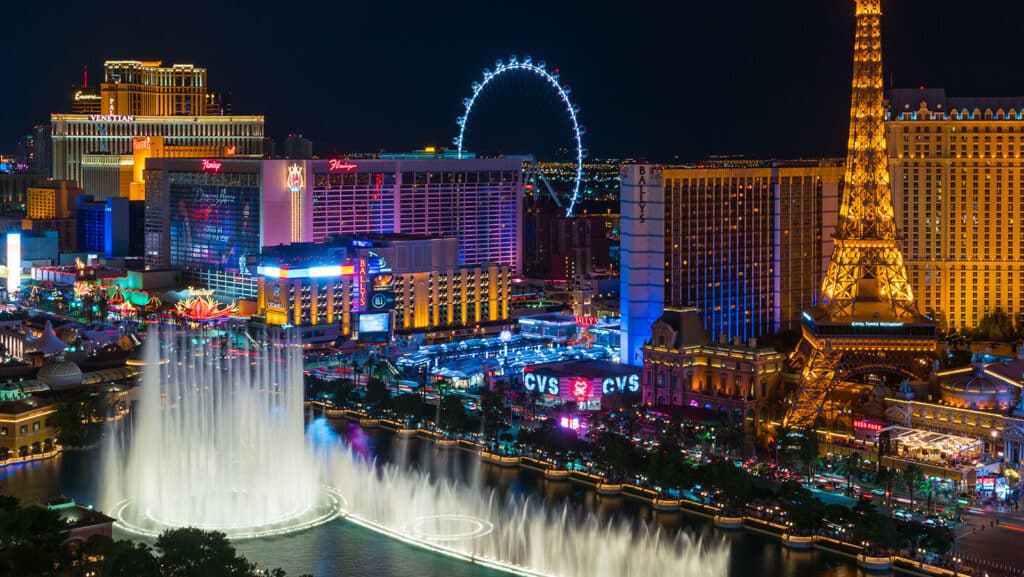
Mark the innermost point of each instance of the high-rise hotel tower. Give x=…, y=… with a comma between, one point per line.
x=139, y=99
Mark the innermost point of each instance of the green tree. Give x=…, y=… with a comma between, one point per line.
x=377, y=393
x=493, y=411
x=912, y=476
x=30, y=539
x=121, y=558
x=453, y=413
x=191, y=552
x=618, y=455
x=80, y=417
x=852, y=463
x=996, y=326
x=808, y=449
x=409, y=406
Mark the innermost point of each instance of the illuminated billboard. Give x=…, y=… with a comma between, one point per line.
x=585, y=382
x=374, y=327
x=13, y=262
x=213, y=223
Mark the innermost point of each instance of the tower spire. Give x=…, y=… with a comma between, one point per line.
x=867, y=322
x=867, y=266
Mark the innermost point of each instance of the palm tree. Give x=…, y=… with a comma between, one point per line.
x=852, y=468
x=912, y=476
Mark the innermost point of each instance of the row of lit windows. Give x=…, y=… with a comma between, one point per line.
x=236, y=129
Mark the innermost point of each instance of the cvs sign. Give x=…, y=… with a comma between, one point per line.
x=543, y=384
x=625, y=383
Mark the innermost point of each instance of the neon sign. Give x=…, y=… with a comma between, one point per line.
x=364, y=279
x=874, y=324
x=295, y=179
x=585, y=321
x=338, y=165
x=79, y=95
x=13, y=263
x=621, y=384
x=570, y=423
x=142, y=143
x=111, y=117
x=212, y=166
x=580, y=389
x=867, y=426
x=543, y=384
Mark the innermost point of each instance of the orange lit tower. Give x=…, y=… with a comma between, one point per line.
x=867, y=330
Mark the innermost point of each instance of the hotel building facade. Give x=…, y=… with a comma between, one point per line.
x=748, y=246
x=413, y=280
x=77, y=135
x=684, y=368
x=205, y=215
x=140, y=99
x=958, y=192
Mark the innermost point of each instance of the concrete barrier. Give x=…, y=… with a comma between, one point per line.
x=499, y=460
x=609, y=489
x=869, y=563
x=407, y=432
x=369, y=423
x=665, y=505
x=797, y=542
x=723, y=522
x=556, y=474
x=443, y=443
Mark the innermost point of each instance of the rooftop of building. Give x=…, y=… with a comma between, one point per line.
x=909, y=100
x=688, y=328
x=389, y=237
x=77, y=516
x=21, y=406
x=586, y=368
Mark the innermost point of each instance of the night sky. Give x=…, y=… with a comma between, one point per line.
x=660, y=80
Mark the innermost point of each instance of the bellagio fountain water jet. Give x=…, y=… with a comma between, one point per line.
x=217, y=440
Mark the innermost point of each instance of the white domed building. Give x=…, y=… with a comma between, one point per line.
x=60, y=376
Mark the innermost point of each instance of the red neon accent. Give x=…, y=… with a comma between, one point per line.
x=585, y=321
x=212, y=166
x=867, y=425
x=363, y=280
x=85, y=77
x=378, y=181
x=141, y=143
x=336, y=165
x=580, y=388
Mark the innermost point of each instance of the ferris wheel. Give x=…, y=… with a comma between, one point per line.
x=514, y=65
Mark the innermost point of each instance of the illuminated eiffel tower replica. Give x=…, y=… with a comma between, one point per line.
x=867, y=329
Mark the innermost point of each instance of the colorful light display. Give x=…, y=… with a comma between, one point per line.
x=201, y=307
x=538, y=69
x=13, y=262
x=212, y=166
x=296, y=180
x=580, y=389
x=338, y=165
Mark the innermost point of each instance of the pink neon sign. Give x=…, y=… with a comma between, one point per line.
x=211, y=166
x=580, y=389
x=338, y=165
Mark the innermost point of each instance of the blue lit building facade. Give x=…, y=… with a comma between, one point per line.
x=642, y=250
x=105, y=226
x=748, y=246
